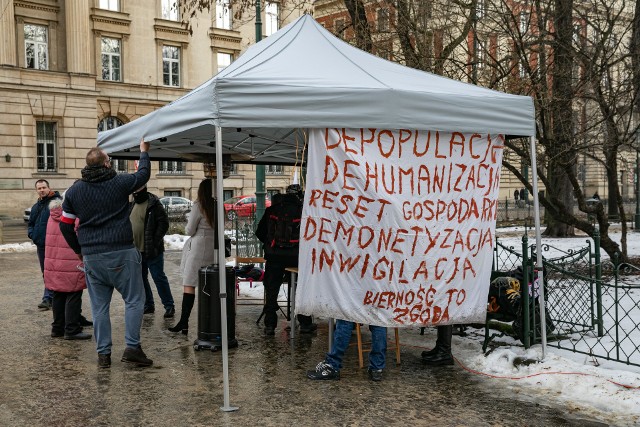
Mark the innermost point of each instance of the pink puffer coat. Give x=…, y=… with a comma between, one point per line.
x=61, y=265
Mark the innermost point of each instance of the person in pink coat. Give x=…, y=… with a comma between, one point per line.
x=64, y=275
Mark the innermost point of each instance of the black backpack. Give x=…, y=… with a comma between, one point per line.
x=283, y=229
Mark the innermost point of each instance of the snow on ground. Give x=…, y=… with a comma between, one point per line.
x=603, y=387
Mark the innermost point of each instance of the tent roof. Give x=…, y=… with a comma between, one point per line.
x=303, y=77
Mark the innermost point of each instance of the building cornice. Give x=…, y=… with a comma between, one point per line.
x=49, y=8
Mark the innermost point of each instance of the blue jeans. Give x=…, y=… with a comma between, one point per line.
x=342, y=336
x=122, y=271
x=156, y=267
x=47, y=295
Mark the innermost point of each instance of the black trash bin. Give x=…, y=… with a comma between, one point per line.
x=209, y=316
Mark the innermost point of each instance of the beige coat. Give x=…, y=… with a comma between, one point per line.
x=198, y=249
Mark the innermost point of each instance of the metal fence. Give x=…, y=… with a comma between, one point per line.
x=593, y=307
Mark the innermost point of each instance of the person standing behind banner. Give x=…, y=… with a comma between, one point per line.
x=329, y=368
x=150, y=223
x=198, y=250
x=64, y=275
x=279, y=232
x=37, y=231
x=100, y=200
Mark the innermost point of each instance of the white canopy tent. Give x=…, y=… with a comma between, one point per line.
x=302, y=77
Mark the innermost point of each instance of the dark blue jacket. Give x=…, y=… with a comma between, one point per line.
x=37, y=227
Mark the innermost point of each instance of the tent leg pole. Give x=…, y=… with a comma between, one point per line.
x=221, y=267
x=536, y=215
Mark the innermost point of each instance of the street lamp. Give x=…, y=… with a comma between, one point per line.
x=260, y=172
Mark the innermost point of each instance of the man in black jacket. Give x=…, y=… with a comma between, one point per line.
x=37, y=230
x=280, y=252
x=150, y=223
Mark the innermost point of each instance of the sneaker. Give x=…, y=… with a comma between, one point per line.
x=45, y=305
x=269, y=330
x=308, y=329
x=104, y=360
x=136, y=356
x=149, y=310
x=78, y=336
x=323, y=371
x=375, y=374
x=84, y=322
x=169, y=312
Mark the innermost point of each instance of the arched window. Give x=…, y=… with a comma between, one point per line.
x=108, y=123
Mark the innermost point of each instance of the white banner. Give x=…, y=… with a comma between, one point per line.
x=398, y=226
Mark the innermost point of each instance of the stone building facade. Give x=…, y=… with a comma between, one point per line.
x=69, y=68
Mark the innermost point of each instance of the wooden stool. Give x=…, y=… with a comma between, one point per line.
x=361, y=350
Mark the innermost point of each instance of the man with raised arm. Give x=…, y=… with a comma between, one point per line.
x=105, y=243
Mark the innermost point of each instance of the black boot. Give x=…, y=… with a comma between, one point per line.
x=187, y=305
x=441, y=354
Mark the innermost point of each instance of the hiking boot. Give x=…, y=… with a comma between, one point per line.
x=104, y=361
x=136, y=356
x=149, y=310
x=45, y=305
x=430, y=353
x=169, y=312
x=269, y=330
x=375, y=374
x=323, y=371
x=308, y=329
x=84, y=322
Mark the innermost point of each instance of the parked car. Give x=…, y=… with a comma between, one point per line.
x=242, y=206
x=175, y=205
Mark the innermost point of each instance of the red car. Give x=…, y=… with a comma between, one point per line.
x=242, y=206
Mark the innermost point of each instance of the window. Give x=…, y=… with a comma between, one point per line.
x=481, y=55
x=46, y=146
x=110, y=5
x=170, y=10
x=171, y=66
x=36, y=46
x=274, y=169
x=383, y=19
x=227, y=194
x=481, y=9
x=338, y=26
x=111, y=59
x=271, y=18
x=172, y=167
x=223, y=14
x=524, y=23
x=224, y=60
x=172, y=193
x=112, y=123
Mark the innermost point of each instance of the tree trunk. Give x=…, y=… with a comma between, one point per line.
x=360, y=24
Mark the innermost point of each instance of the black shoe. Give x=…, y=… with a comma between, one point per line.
x=440, y=358
x=323, y=371
x=430, y=353
x=180, y=327
x=78, y=336
x=84, y=322
x=136, y=356
x=269, y=330
x=57, y=334
x=308, y=329
x=45, y=305
x=169, y=312
x=104, y=360
x=375, y=374
x=149, y=310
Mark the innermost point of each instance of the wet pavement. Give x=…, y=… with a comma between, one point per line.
x=47, y=381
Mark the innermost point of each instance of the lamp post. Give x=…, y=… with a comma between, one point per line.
x=260, y=172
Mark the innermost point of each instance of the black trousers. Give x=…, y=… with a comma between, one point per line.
x=273, y=275
x=66, y=307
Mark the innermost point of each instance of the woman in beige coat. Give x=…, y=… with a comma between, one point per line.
x=198, y=250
